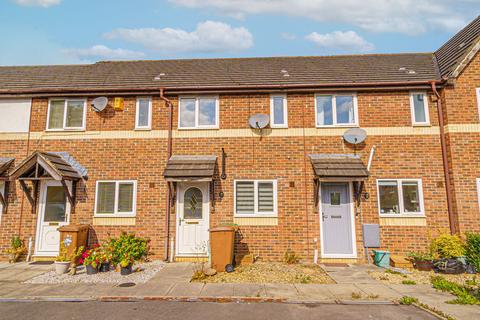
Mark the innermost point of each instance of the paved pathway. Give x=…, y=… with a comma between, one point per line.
x=353, y=285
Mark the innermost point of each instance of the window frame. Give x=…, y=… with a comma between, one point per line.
x=2, y=191
x=477, y=90
x=64, y=127
x=334, y=110
x=402, y=212
x=197, y=109
x=426, y=109
x=137, y=114
x=272, y=110
x=256, y=213
x=115, y=212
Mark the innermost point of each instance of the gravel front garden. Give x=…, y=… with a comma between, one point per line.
x=145, y=271
x=419, y=277
x=263, y=272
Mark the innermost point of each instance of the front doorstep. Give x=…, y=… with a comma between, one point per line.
x=191, y=259
x=43, y=258
x=339, y=260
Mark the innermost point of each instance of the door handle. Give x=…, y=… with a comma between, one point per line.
x=324, y=216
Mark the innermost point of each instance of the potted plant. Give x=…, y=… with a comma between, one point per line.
x=75, y=259
x=62, y=261
x=422, y=261
x=91, y=260
x=106, y=256
x=126, y=265
x=16, y=249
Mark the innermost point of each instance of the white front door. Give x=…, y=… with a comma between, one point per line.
x=193, y=218
x=53, y=212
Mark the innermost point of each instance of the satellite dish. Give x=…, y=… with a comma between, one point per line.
x=259, y=121
x=99, y=104
x=355, y=135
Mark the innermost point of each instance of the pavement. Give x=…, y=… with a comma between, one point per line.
x=166, y=310
x=353, y=286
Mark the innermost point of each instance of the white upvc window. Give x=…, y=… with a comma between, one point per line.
x=336, y=110
x=478, y=102
x=255, y=198
x=2, y=191
x=116, y=198
x=66, y=114
x=400, y=197
x=198, y=112
x=419, y=109
x=143, y=115
x=278, y=111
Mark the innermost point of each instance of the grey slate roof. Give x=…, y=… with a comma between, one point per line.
x=208, y=73
x=455, y=49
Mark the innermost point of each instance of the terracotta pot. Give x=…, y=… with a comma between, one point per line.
x=91, y=270
x=61, y=267
x=423, y=265
x=125, y=271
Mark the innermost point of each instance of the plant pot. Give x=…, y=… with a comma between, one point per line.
x=105, y=267
x=423, y=265
x=61, y=267
x=125, y=271
x=91, y=270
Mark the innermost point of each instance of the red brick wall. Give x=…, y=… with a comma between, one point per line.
x=270, y=157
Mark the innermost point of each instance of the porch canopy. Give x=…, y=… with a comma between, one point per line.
x=41, y=166
x=190, y=168
x=5, y=164
x=338, y=167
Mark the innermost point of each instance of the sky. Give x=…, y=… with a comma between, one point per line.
x=38, y=32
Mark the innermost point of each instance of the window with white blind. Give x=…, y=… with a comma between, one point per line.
x=115, y=198
x=143, y=117
x=66, y=114
x=256, y=197
x=336, y=110
x=419, y=109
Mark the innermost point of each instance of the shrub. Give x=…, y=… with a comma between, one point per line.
x=128, y=245
x=290, y=257
x=447, y=246
x=472, y=249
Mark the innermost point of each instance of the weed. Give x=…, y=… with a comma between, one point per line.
x=409, y=282
x=290, y=257
x=304, y=278
x=372, y=296
x=392, y=271
x=356, y=295
x=407, y=300
x=464, y=294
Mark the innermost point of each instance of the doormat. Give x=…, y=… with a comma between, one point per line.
x=41, y=263
x=331, y=264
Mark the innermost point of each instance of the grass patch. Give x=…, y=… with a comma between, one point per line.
x=466, y=294
x=409, y=282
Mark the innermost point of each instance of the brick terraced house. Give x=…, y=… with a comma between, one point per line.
x=173, y=153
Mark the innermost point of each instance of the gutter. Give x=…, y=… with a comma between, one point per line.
x=169, y=154
x=312, y=86
x=448, y=188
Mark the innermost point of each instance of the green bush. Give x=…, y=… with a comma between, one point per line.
x=447, y=246
x=472, y=249
x=129, y=246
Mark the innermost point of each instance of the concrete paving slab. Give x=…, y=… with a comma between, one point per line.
x=154, y=288
x=344, y=291
x=288, y=291
x=249, y=290
x=217, y=290
x=186, y=289
x=379, y=289
x=314, y=292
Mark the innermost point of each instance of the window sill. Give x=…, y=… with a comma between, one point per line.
x=65, y=130
x=255, y=215
x=279, y=126
x=421, y=125
x=338, y=126
x=405, y=215
x=99, y=215
x=199, y=128
x=143, y=129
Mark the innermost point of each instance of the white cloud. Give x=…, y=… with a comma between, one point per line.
x=103, y=52
x=38, y=3
x=348, y=41
x=404, y=16
x=209, y=36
